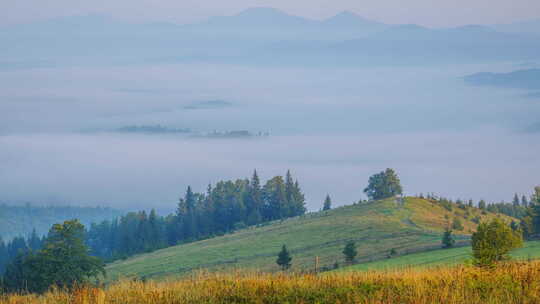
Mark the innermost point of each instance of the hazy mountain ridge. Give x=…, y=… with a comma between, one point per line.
x=257, y=36
x=520, y=79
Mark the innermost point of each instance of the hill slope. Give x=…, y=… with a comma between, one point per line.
x=377, y=227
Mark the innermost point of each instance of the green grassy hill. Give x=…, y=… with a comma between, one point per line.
x=439, y=257
x=377, y=227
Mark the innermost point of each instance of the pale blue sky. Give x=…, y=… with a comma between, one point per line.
x=424, y=12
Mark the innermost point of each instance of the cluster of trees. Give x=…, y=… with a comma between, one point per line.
x=20, y=220
x=530, y=223
x=227, y=206
x=517, y=210
x=63, y=261
x=18, y=245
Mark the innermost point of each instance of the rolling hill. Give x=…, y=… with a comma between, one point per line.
x=413, y=225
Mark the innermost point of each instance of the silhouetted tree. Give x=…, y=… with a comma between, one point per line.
x=350, y=252
x=448, y=239
x=284, y=258
x=383, y=185
x=327, y=203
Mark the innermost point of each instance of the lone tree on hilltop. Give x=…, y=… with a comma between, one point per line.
x=383, y=185
x=350, y=252
x=448, y=239
x=327, y=203
x=492, y=242
x=284, y=258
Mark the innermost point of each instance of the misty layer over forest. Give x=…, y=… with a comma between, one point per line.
x=349, y=98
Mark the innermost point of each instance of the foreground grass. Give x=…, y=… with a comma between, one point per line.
x=440, y=257
x=509, y=283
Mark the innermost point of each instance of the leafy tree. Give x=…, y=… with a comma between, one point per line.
x=284, y=258
x=383, y=185
x=327, y=203
x=456, y=224
x=493, y=241
x=448, y=240
x=350, y=252
x=63, y=261
x=276, y=199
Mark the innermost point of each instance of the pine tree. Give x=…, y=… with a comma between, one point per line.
x=470, y=203
x=299, y=200
x=284, y=258
x=350, y=252
x=482, y=204
x=327, y=203
x=524, y=201
x=254, y=200
x=515, y=201
x=447, y=239
x=34, y=242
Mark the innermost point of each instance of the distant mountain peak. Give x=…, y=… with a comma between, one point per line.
x=349, y=19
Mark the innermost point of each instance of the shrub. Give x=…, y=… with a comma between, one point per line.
x=492, y=242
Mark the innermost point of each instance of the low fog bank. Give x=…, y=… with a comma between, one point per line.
x=135, y=172
x=278, y=100
x=332, y=127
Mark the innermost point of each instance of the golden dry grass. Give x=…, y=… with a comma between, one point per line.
x=515, y=282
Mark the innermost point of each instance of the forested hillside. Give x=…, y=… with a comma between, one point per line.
x=21, y=220
x=383, y=228
x=225, y=207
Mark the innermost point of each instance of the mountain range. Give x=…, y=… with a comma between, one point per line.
x=260, y=36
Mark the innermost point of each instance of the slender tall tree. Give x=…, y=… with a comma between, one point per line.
x=350, y=252
x=327, y=203
x=284, y=258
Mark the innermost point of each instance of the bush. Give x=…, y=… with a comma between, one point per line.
x=492, y=242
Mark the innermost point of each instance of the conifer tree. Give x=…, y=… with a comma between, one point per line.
x=447, y=239
x=327, y=203
x=524, y=201
x=284, y=258
x=482, y=204
x=515, y=201
x=350, y=252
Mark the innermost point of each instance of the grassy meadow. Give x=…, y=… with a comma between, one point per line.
x=513, y=282
x=440, y=257
x=413, y=226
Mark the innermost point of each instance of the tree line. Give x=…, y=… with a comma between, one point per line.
x=225, y=207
